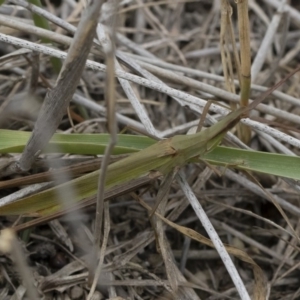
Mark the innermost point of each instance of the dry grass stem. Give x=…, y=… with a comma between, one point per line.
x=245, y=53
x=214, y=238
x=108, y=44
x=150, y=71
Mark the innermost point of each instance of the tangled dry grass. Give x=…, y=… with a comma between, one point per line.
x=179, y=43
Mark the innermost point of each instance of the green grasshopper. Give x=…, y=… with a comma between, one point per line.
x=162, y=157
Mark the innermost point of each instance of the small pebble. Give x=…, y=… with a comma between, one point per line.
x=76, y=293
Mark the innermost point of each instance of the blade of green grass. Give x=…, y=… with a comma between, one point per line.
x=263, y=162
x=90, y=144
x=94, y=144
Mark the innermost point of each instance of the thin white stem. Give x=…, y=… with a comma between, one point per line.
x=266, y=43
x=214, y=237
x=294, y=13
x=132, y=97
x=201, y=74
x=33, y=188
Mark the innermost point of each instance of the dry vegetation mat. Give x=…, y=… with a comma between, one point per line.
x=149, y=149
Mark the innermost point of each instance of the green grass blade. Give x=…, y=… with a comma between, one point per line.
x=94, y=144
x=90, y=144
x=263, y=162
